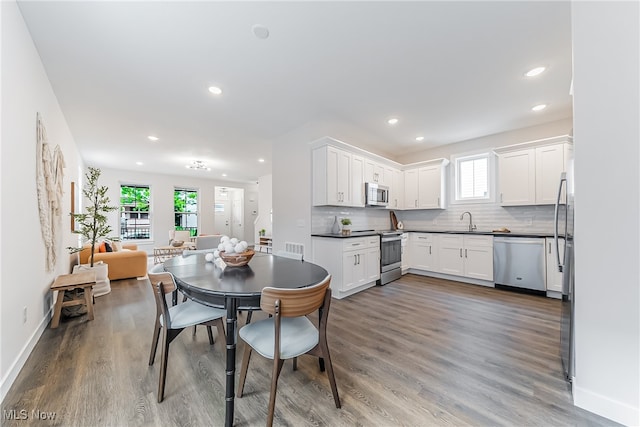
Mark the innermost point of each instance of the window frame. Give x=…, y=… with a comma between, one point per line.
x=122, y=210
x=193, y=230
x=456, y=160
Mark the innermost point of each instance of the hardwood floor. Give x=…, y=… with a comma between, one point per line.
x=416, y=352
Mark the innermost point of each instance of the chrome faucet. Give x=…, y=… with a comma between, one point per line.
x=471, y=226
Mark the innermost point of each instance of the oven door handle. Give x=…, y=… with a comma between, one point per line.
x=390, y=239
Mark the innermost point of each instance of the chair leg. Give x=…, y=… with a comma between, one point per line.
x=243, y=370
x=277, y=367
x=295, y=363
x=321, y=364
x=154, y=342
x=163, y=365
x=194, y=331
x=249, y=313
x=332, y=378
x=210, y=335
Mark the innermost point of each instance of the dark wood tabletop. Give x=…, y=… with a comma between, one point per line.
x=235, y=288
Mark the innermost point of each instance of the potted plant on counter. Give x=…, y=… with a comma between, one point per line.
x=346, y=226
x=92, y=225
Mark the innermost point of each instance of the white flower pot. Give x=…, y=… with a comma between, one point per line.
x=103, y=285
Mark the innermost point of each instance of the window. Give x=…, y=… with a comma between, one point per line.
x=135, y=222
x=472, y=177
x=185, y=206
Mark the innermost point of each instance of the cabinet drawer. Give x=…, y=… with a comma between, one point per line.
x=355, y=243
x=422, y=237
x=478, y=241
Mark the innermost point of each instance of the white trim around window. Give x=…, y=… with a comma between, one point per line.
x=473, y=178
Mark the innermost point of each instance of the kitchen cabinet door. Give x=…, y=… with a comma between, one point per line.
x=430, y=193
x=423, y=251
x=450, y=256
x=478, y=257
x=550, y=164
x=373, y=172
x=333, y=177
x=396, y=198
x=554, y=277
x=517, y=178
x=411, y=189
x=357, y=181
x=371, y=258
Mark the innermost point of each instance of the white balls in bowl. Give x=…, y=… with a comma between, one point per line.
x=209, y=257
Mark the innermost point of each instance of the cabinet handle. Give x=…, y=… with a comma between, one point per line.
x=416, y=203
x=460, y=252
x=500, y=197
x=465, y=253
x=438, y=201
x=549, y=247
x=355, y=260
x=358, y=258
x=429, y=249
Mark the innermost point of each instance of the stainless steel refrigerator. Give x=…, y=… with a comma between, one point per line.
x=564, y=214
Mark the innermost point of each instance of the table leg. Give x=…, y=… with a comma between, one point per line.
x=88, y=294
x=57, y=310
x=232, y=322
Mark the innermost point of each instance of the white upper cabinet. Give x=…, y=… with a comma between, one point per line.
x=424, y=186
x=396, y=190
x=529, y=173
x=374, y=172
x=333, y=178
x=517, y=178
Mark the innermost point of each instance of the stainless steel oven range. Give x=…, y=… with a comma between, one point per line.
x=390, y=256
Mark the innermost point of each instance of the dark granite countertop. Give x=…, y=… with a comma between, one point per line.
x=484, y=232
x=353, y=234
x=480, y=232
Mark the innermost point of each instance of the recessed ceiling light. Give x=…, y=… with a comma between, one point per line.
x=139, y=163
x=539, y=107
x=224, y=174
x=534, y=72
x=215, y=90
x=153, y=138
x=198, y=165
x=261, y=160
x=392, y=121
x=419, y=138
x=260, y=31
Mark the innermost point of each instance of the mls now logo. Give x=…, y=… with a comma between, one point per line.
x=14, y=414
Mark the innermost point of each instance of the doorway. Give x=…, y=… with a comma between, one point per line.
x=229, y=211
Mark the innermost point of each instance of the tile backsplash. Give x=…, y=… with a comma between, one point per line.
x=486, y=217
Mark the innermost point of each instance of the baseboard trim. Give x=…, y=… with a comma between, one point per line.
x=606, y=407
x=18, y=364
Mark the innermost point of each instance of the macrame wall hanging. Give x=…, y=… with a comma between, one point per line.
x=50, y=177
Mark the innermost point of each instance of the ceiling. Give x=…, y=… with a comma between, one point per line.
x=449, y=71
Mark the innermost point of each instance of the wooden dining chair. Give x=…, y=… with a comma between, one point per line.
x=172, y=320
x=289, y=333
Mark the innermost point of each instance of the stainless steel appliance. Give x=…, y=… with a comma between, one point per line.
x=519, y=262
x=376, y=195
x=564, y=230
x=390, y=256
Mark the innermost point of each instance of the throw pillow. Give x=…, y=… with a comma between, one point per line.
x=108, y=246
x=117, y=246
x=102, y=247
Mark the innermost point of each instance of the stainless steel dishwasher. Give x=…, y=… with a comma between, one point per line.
x=519, y=262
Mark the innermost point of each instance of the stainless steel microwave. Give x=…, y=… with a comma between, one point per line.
x=376, y=194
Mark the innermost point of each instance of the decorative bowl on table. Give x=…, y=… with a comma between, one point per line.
x=237, y=259
x=177, y=243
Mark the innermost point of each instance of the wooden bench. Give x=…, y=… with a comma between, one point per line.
x=68, y=282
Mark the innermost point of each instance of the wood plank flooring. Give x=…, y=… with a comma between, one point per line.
x=416, y=352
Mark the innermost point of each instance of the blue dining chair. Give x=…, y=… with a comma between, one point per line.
x=172, y=320
x=289, y=333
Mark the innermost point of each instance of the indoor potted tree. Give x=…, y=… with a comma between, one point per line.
x=346, y=226
x=92, y=225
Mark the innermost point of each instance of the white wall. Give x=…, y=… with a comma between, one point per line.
x=547, y=130
x=24, y=281
x=162, y=187
x=607, y=290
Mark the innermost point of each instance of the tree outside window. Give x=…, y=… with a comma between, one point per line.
x=185, y=206
x=135, y=220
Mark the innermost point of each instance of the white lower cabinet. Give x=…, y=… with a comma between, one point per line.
x=354, y=262
x=554, y=277
x=422, y=253
x=460, y=255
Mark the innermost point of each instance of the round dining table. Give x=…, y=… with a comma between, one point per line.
x=238, y=288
